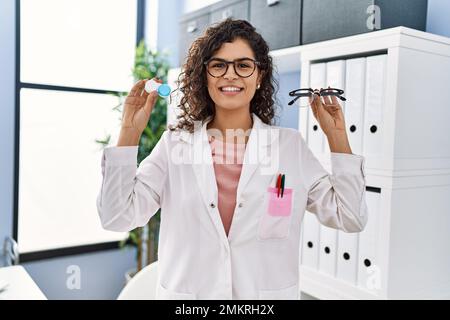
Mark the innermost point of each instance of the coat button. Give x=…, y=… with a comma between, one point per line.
x=241, y=204
x=212, y=205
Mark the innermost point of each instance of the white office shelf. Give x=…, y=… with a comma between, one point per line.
x=326, y=287
x=289, y=59
x=398, y=81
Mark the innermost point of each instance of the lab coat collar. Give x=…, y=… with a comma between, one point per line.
x=201, y=130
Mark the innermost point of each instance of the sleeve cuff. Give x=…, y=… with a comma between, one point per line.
x=120, y=156
x=347, y=163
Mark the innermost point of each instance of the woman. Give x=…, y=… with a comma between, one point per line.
x=226, y=231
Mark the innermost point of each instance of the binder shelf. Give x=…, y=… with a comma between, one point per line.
x=397, y=112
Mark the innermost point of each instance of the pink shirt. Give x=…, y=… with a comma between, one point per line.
x=227, y=160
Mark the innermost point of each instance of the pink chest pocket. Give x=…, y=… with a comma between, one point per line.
x=279, y=206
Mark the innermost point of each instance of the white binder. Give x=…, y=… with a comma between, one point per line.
x=335, y=79
x=310, y=241
x=347, y=257
x=327, y=250
x=354, y=106
x=316, y=137
x=375, y=82
x=355, y=70
x=367, y=258
x=311, y=226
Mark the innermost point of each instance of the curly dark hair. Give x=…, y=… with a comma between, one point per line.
x=195, y=103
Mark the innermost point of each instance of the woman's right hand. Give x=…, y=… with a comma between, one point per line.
x=138, y=107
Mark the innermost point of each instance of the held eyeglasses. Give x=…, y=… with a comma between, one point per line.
x=306, y=96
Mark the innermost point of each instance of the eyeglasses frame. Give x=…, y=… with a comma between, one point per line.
x=257, y=64
x=321, y=92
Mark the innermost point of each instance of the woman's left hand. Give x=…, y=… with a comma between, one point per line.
x=328, y=113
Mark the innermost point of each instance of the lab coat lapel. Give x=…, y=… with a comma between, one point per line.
x=256, y=149
x=203, y=167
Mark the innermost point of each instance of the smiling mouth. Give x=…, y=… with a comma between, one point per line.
x=230, y=89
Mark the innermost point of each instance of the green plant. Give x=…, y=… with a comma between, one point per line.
x=147, y=64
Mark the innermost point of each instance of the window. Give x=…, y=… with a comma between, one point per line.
x=73, y=53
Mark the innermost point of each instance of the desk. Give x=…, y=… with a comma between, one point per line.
x=20, y=285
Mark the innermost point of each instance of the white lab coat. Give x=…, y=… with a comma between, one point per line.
x=260, y=257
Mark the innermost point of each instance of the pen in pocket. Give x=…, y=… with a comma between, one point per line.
x=280, y=185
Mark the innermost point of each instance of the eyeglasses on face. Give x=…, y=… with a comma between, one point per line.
x=243, y=67
x=306, y=96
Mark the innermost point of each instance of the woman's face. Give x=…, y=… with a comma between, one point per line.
x=230, y=51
